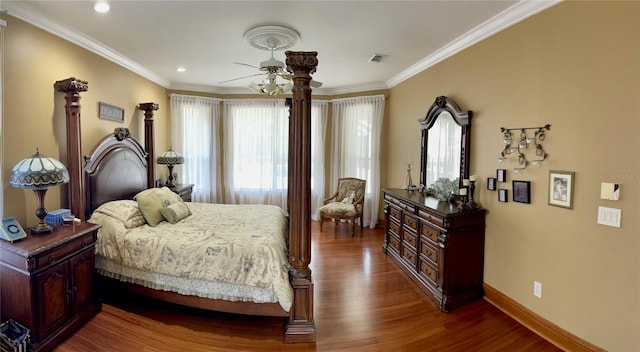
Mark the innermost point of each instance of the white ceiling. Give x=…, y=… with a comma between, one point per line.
x=153, y=38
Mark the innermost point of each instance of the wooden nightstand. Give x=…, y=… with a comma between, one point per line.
x=183, y=190
x=48, y=282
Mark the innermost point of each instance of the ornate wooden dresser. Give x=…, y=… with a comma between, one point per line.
x=438, y=245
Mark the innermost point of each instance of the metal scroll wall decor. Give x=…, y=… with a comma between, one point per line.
x=529, y=136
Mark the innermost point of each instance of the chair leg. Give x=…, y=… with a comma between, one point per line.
x=353, y=227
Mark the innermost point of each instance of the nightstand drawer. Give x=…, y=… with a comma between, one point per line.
x=59, y=253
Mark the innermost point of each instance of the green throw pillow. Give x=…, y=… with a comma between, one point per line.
x=175, y=212
x=150, y=205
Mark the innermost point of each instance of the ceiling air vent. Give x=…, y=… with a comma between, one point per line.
x=378, y=58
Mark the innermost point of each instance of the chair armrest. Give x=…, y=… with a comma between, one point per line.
x=330, y=198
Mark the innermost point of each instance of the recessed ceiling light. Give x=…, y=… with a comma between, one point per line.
x=181, y=69
x=101, y=7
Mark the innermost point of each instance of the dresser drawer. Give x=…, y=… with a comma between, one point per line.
x=394, y=228
x=429, y=252
x=430, y=234
x=432, y=218
x=410, y=239
x=411, y=222
x=409, y=256
x=394, y=243
x=394, y=213
x=58, y=253
x=428, y=271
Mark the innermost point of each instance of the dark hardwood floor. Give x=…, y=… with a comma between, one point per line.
x=363, y=302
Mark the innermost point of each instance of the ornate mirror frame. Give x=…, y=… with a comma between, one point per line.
x=462, y=118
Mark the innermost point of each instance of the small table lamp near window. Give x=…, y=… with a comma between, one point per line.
x=38, y=173
x=170, y=158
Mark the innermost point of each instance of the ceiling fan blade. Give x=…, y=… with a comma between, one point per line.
x=243, y=64
x=235, y=79
x=315, y=84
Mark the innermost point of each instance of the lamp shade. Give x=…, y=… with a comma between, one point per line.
x=38, y=172
x=170, y=157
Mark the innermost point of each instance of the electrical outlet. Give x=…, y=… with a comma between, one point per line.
x=537, y=289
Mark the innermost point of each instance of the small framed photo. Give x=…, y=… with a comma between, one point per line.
x=491, y=183
x=110, y=112
x=501, y=175
x=503, y=195
x=561, y=188
x=11, y=230
x=522, y=192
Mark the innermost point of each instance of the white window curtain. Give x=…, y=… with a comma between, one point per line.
x=357, y=127
x=255, y=151
x=195, y=134
x=319, y=116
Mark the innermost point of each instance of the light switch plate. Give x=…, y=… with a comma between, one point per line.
x=609, y=216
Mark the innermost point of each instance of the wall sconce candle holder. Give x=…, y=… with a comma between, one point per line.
x=522, y=145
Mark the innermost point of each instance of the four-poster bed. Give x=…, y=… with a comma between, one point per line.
x=118, y=168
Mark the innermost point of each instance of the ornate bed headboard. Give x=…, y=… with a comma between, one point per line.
x=115, y=169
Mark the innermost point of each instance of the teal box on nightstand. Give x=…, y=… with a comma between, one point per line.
x=54, y=217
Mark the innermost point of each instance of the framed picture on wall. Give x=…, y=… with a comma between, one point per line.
x=561, y=188
x=501, y=175
x=522, y=191
x=491, y=183
x=503, y=195
x=110, y=112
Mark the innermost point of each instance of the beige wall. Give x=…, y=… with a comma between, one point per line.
x=34, y=113
x=575, y=66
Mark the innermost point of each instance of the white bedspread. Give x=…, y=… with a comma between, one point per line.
x=231, y=252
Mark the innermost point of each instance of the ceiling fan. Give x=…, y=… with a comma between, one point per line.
x=271, y=38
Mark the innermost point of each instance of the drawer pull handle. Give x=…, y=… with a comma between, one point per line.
x=84, y=243
x=52, y=258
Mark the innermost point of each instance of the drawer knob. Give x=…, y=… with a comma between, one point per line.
x=84, y=243
x=52, y=258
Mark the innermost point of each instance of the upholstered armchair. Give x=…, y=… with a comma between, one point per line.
x=346, y=203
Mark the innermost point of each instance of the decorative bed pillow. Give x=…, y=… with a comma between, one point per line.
x=175, y=212
x=150, y=205
x=126, y=211
x=167, y=197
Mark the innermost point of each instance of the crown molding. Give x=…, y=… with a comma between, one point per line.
x=24, y=12
x=507, y=18
x=514, y=14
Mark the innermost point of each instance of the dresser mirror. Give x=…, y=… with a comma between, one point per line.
x=444, y=155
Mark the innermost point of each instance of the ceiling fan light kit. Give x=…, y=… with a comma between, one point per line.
x=272, y=38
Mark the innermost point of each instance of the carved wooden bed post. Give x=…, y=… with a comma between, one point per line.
x=149, y=142
x=301, y=326
x=72, y=87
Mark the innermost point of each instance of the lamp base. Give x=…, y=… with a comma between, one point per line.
x=41, y=228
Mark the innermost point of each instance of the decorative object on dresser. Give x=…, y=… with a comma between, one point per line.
x=170, y=158
x=523, y=144
x=183, y=190
x=440, y=246
x=47, y=283
x=38, y=173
